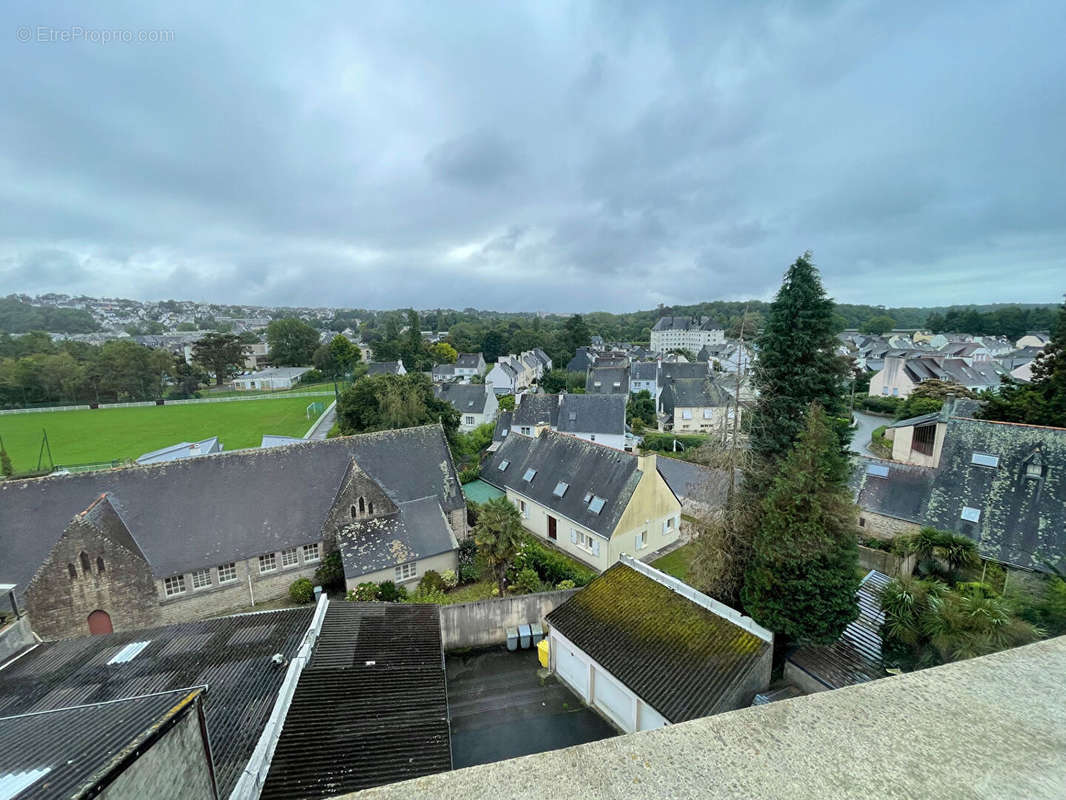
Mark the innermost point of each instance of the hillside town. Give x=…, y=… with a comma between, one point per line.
x=507, y=400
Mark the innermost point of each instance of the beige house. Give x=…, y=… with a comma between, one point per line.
x=590, y=501
x=698, y=406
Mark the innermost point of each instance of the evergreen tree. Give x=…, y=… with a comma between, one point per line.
x=797, y=365
x=7, y=469
x=802, y=577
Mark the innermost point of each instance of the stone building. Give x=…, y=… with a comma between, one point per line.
x=151, y=545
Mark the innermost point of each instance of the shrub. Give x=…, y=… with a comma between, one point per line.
x=551, y=566
x=471, y=473
x=301, y=590
x=330, y=573
x=431, y=582
x=364, y=592
x=567, y=584
x=312, y=376
x=451, y=580
x=469, y=573
x=879, y=405
x=389, y=592
x=528, y=581
x=469, y=569
x=664, y=442
x=433, y=596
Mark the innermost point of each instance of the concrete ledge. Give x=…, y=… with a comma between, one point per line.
x=990, y=727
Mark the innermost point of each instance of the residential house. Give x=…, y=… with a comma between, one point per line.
x=465, y=368
x=255, y=354
x=938, y=340
x=515, y=373
x=853, y=658
x=647, y=650
x=599, y=418
x=504, y=421
x=182, y=450
x=999, y=483
x=644, y=376
x=270, y=379
x=148, y=545
x=535, y=412
x=703, y=491
x=607, y=380
x=386, y=368
x=153, y=672
x=475, y=402
x=685, y=333
x=583, y=359
x=590, y=501
x=900, y=376
x=698, y=406
x=968, y=352
x=1033, y=339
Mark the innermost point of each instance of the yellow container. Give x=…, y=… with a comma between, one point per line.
x=542, y=653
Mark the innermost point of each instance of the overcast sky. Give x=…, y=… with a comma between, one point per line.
x=542, y=155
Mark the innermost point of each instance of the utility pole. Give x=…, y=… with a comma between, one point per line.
x=736, y=407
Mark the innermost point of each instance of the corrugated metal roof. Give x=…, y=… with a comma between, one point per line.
x=856, y=656
x=370, y=708
x=681, y=658
x=66, y=753
x=232, y=655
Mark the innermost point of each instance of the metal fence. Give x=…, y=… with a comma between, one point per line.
x=192, y=401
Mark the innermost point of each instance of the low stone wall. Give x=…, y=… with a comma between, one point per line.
x=14, y=637
x=889, y=563
x=485, y=622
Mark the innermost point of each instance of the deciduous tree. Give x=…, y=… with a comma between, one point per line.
x=292, y=342
x=221, y=354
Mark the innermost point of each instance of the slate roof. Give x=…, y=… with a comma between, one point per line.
x=469, y=360
x=581, y=361
x=593, y=413
x=443, y=371
x=687, y=323
x=681, y=658
x=856, y=656
x=199, y=512
x=543, y=357
x=467, y=398
x=901, y=494
x=371, y=706
x=954, y=370
x=418, y=529
x=694, y=393
x=644, y=371
x=694, y=482
x=63, y=753
x=536, y=409
x=232, y=655
x=277, y=440
x=607, y=377
x=586, y=467
x=503, y=426
x=672, y=370
x=182, y=450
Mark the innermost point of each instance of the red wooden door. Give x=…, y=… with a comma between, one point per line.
x=100, y=622
x=551, y=528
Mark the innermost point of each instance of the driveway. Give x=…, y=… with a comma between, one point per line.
x=864, y=428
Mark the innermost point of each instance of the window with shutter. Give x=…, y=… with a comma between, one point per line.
x=573, y=536
x=595, y=547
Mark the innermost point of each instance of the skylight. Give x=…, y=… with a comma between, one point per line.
x=530, y=473
x=984, y=460
x=588, y=497
x=597, y=504
x=971, y=514
x=560, y=488
x=573, y=416
x=879, y=470
x=128, y=653
x=503, y=465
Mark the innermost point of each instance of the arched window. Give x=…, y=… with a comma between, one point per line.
x=72, y=572
x=86, y=567
x=362, y=505
x=371, y=505
x=100, y=564
x=353, y=512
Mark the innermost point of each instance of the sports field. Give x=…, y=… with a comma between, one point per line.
x=105, y=434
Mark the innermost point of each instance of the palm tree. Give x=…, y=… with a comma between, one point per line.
x=498, y=534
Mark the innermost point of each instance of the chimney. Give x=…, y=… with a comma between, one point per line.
x=948, y=409
x=646, y=463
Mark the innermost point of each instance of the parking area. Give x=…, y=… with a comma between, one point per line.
x=503, y=705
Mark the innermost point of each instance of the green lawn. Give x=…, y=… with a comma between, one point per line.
x=311, y=387
x=106, y=434
x=675, y=563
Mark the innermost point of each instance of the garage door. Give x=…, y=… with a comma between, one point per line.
x=612, y=699
x=570, y=667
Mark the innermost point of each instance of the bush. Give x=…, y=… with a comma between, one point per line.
x=550, y=566
x=389, y=592
x=312, y=376
x=567, y=584
x=330, y=573
x=471, y=473
x=528, y=581
x=469, y=569
x=365, y=592
x=469, y=573
x=451, y=580
x=434, y=596
x=664, y=442
x=301, y=591
x=879, y=405
x=431, y=582
x=879, y=444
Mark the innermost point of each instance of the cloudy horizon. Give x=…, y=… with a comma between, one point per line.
x=550, y=156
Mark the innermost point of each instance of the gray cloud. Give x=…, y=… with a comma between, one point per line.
x=457, y=155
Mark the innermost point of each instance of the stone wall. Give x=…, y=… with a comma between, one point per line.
x=67, y=588
x=882, y=527
x=485, y=622
x=889, y=563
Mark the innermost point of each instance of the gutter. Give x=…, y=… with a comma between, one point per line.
x=250, y=784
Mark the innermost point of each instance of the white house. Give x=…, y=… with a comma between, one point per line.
x=647, y=650
x=688, y=333
x=475, y=402
x=273, y=378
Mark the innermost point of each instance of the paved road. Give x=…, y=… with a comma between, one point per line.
x=325, y=422
x=866, y=423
